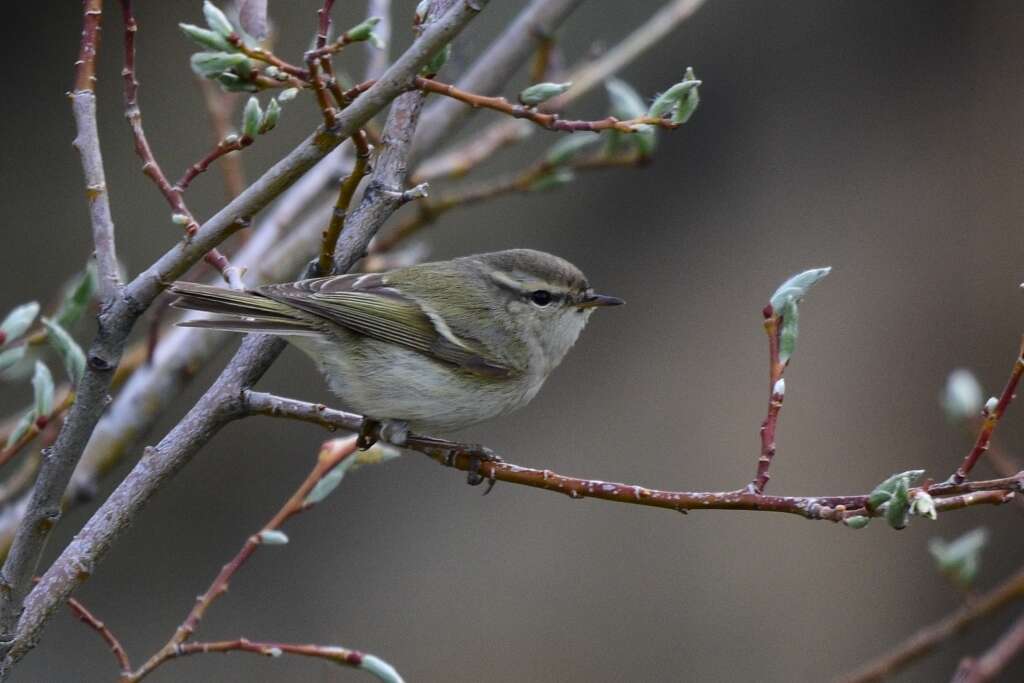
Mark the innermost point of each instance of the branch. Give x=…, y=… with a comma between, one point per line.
x=331, y=455
x=831, y=508
x=996, y=659
x=219, y=405
x=776, y=394
x=87, y=142
x=493, y=69
x=220, y=106
x=150, y=167
x=585, y=77
x=346, y=191
x=544, y=120
x=992, y=416
x=332, y=653
x=87, y=617
x=928, y=638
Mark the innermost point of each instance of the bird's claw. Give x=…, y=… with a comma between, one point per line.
x=369, y=433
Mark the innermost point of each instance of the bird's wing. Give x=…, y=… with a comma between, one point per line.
x=367, y=305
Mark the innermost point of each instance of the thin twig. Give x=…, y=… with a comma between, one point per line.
x=331, y=454
x=219, y=107
x=493, y=69
x=776, y=394
x=345, y=193
x=44, y=424
x=317, y=63
x=90, y=620
x=584, y=77
x=83, y=105
x=542, y=119
x=831, y=508
x=226, y=146
x=995, y=660
x=992, y=419
x=150, y=168
x=928, y=638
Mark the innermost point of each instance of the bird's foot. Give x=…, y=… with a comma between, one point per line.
x=478, y=455
x=369, y=433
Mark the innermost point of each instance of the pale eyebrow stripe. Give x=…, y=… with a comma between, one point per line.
x=503, y=279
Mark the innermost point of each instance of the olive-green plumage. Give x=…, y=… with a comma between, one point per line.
x=436, y=345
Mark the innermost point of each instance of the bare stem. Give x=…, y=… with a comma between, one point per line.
x=90, y=620
x=345, y=194
x=544, y=120
x=831, y=508
x=996, y=659
x=331, y=454
x=220, y=106
x=224, y=147
x=992, y=417
x=776, y=393
x=928, y=638
x=87, y=142
x=150, y=168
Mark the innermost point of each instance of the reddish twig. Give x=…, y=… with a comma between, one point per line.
x=47, y=425
x=331, y=454
x=150, y=167
x=996, y=659
x=832, y=508
x=339, y=655
x=928, y=638
x=220, y=107
x=776, y=394
x=85, y=65
x=992, y=419
x=226, y=146
x=268, y=57
x=542, y=119
x=317, y=65
x=90, y=620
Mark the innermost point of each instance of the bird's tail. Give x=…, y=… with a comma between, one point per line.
x=245, y=311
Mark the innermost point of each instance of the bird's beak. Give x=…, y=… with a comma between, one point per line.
x=592, y=300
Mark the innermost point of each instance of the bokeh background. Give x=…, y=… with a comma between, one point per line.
x=881, y=138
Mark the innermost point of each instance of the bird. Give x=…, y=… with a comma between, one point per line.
x=427, y=347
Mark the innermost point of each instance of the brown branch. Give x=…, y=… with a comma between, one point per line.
x=331, y=454
x=90, y=620
x=776, y=394
x=45, y=425
x=332, y=653
x=325, y=264
x=220, y=107
x=542, y=119
x=227, y=145
x=996, y=659
x=832, y=508
x=150, y=168
x=928, y=638
x=992, y=417
x=317, y=65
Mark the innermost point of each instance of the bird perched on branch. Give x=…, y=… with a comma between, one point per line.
x=433, y=346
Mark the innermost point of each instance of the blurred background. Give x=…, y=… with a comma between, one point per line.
x=883, y=139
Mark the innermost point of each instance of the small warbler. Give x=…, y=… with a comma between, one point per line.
x=433, y=346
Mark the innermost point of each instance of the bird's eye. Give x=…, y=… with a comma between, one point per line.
x=541, y=297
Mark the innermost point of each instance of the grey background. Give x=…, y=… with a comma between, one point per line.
x=880, y=138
